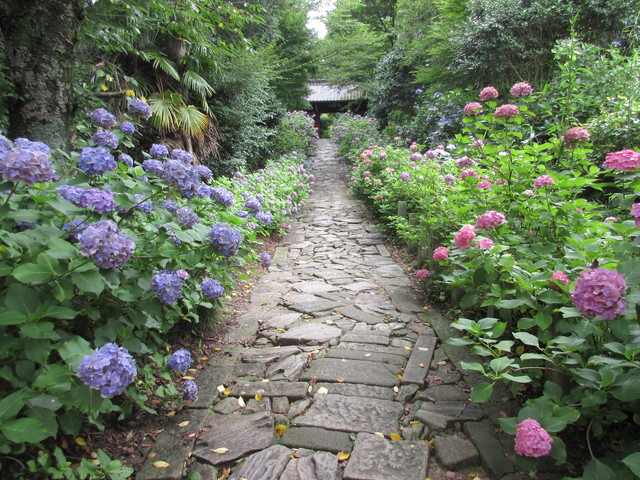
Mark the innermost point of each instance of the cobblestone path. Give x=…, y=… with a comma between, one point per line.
x=334, y=348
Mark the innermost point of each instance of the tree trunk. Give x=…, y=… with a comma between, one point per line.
x=39, y=38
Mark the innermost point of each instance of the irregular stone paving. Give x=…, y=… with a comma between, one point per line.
x=335, y=371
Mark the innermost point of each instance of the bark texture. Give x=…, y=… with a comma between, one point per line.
x=39, y=39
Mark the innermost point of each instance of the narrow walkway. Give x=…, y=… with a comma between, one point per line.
x=335, y=349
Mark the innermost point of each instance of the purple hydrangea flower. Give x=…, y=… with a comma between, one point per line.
x=110, y=369
x=180, y=360
x=405, y=176
x=599, y=292
x=225, y=239
x=106, y=139
x=75, y=228
x=102, y=118
x=182, y=155
x=204, y=190
x=187, y=217
x=265, y=258
x=190, y=390
x=126, y=159
x=242, y=214
x=183, y=177
x=264, y=217
x=31, y=145
x=71, y=193
x=151, y=165
x=96, y=160
x=28, y=166
x=253, y=204
x=159, y=150
x=223, y=196
x=106, y=245
x=5, y=146
x=100, y=200
x=212, y=288
x=260, y=197
x=141, y=204
x=127, y=128
x=167, y=286
x=205, y=172
x=140, y=108
x=170, y=205
x=181, y=273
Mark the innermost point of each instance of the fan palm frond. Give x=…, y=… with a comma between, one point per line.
x=192, y=121
x=198, y=84
x=165, y=107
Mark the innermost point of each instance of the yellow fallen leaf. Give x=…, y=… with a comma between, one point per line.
x=343, y=455
x=379, y=434
x=161, y=464
x=264, y=303
x=399, y=377
x=340, y=380
x=241, y=402
x=188, y=378
x=280, y=430
x=427, y=324
x=204, y=358
x=413, y=422
x=264, y=380
x=313, y=352
x=171, y=414
x=421, y=365
x=395, y=436
x=322, y=391
x=81, y=441
x=310, y=388
x=152, y=455
x=217, y=349
x=258, y=397
x=408, y=348
x=367, y=354
x=183, y=424
x=280, y=329
x=220, y=451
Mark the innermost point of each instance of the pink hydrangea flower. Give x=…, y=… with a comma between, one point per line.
x=415, y=157
x=490, y=219
x=576, y=134
x=367, y=179
x=521, y=89
x=528, y=192
x=465, y=162
x=560, y=277
x=485, y=243
x=366, y=173
x=378, y=197
x=500, y=181
x=383, y=155
x=413, y=147
x=390, y=169
x=611, y=219
x=422, y=274
x=635, y=211
x=405, y=176
x=367, y=161
x=624, y=160
x=464, y=238
x=478, y=143
x=487, y=93
x=366, y=154
x=543, y=180
x=473, y=108
x=469, y=172
x=484, y=184
x=599, y=292
x=449, y=179
x=507, y=110
x=532, y=440
x=431, y=154
x=441, y=253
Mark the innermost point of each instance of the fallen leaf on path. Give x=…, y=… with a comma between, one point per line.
x=395, y=436
x=152, y=455
x=241, y=402
x=408, y=348
x=183, y=424
x=258, y=397
x=379, y=434
x=421, y=365
x=322, y=391
x=280, y=430
x=399, y=377
x=343, y=455
x=161, y=464
x=423, y=349
x=81, y=441
x=340, y=380
x=220, y=451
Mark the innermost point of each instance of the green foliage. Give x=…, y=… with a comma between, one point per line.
x=296, y=133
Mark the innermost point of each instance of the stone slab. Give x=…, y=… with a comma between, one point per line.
x=289, y=368
x=389, y=271
x=265, y=465
x=313, y=287
x=492, y=454
x=331, y=273
x=375, y=458
x=455, y=453
x=240, y=434
x=354, y=390
x=281, y=320
x=309, y=332
x=456, y=411
x=361, y=316
x=351, y=371
x=445, y=393
x=312, y=306
x=270, y=389
x=318, y=466
x=403, y=301
x=357, y=337
x=210, y=376
x=362, y=286
x=375, y=348
x=418, y=365
x=352, y=414
x=317, y=439
x=268, y=354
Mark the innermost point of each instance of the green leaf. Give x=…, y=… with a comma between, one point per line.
x=61, y=249
x=500, y=363
x=596, y=470
x=633, y=462
x=90, y=281
x=32, y=273
x=48, y=402
x=75, y=350
x=12, y=404
x=552, y=297
x=22, y=303
x=468, y=300
x=481, y=392
x=24, y=430
x=510, y=304
x=472, y=366
x=527, y=338
x=53, y=377
x=58, y=311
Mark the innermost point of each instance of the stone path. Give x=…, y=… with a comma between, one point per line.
x=335, y=349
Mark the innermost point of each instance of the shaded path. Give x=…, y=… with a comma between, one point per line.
x=335, y=349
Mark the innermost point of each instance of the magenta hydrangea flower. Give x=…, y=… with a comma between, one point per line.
x=507, y=110
x=441, y=253
x=422, y=274
x=405, y=176
x=576, y=134
x=465, y=162
x=624, y=160
x=484, y=185
x=532, y=440
x=487, y=93
x=469, y=172
x=449, y=179
x=464, y=238
x=543, y=180
x=473, y=108
x=490, y=219
x=599, y=292
x=559, y=277
x=521, y=89
x=485, y=243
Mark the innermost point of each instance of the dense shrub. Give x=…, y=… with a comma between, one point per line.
x=295, y=133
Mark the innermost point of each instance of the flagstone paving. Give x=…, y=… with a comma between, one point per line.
x=335, y=371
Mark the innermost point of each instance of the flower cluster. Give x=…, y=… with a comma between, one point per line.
x=488, y=93
x=543, y=180
x=473, y=108
x=441, y=253
x=106, y=245
x=103, y=118
x=265, y=258
x=483, y=185
x=167, y=286
x=182, y=155
x=485, y=243
x=469, y=172
x=127, y=128
x=490, y=219
x=110, y=369
x=96, y=161
x=252, y=203
x=225, y=239
x=126, y=159
x=187, y=217
x=182, y=176
x=624, y=160
x=264, y=217
x=558, y=277
x=140, y=108
x=635, y=211
x=532, y=440
x=180, y=360
x=465, y=162
x=190, y=390
x=464, y=238
x=27, y=164
x=159, y=150
x=212, y=288
x=100, y=200
x=599, y=292
x=106, y=139
x=576, y=134
x=521, y=89
x=507, y=110
x=422, y=274
x=222, y=195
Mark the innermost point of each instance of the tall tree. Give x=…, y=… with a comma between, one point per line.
x=39, y=38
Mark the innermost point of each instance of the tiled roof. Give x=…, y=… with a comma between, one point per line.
x=322, y=92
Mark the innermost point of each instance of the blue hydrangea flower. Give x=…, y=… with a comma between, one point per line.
x=258, y=179
x=5, y=146
x=75, y=228
x=96, y=160
x=141, y=204
x=71, y=193
x=190, y=390
x=265, y=258
x=140, y=108
x=159, y=150
x=264, y=217
x=242, y=214
x=100, y=200
x=110, y=369
x=151, y=165
x=170, y=205
x=167, y=286
x=204, y=190
x=204, y=172
x=106, y=139
x=106, y=245
x=253, y=204
x=182, y=176
x=260, y=197
x=222, y=195
x=126, y=159
x=187, y=217
x=212, y=288
x=127, y=128
x=102, y=118
x=182, y=155
x=28, y=166
x=180, y=360
x=225, y=239
x=31, y=145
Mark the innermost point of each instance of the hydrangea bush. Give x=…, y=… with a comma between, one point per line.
x=296, y=132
